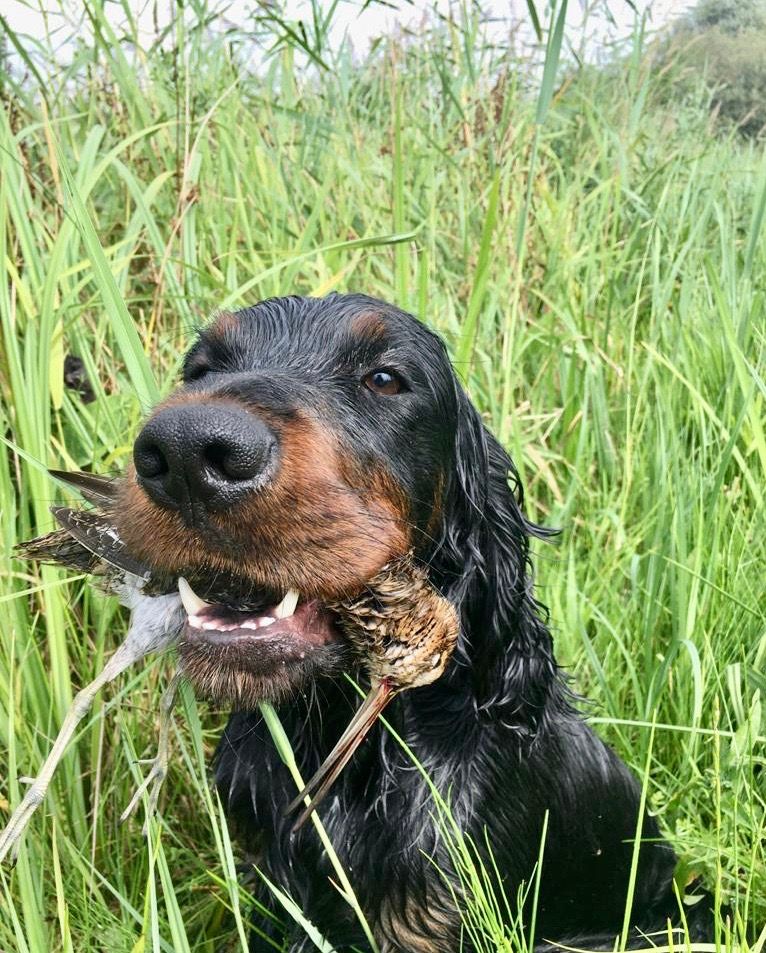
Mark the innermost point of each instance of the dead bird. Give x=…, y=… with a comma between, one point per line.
x=89, y=543
x=400, y=627
x=404, y=631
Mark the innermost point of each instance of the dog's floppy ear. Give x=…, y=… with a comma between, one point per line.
x=483, y=558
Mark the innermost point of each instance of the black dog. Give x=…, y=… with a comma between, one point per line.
x=312, y=441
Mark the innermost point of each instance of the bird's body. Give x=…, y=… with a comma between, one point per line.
x=404, y=632
x=402, y=628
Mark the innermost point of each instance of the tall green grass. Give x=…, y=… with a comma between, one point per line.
x=596, y=262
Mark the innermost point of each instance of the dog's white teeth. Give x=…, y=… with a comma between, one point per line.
x=259, y=622
x=287, y=606
x=192, y=602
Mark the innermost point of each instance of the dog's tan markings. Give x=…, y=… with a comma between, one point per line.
x=224, y=322
x=420, y=929
x=368, y=325
x=210, y=671
x=318, y=526
x=376, y=483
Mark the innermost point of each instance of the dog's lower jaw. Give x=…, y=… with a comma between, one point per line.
x=244, y=689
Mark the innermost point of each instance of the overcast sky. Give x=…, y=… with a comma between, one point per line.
x=600, y=22
x=603, y=21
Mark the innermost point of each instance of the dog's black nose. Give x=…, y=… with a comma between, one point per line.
x=209, y=454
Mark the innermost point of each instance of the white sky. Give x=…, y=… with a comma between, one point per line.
x=604, y=20
x=589, y=24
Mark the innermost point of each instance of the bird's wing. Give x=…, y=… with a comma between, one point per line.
x=98, y=535
x=98, y=490
x=58, y=547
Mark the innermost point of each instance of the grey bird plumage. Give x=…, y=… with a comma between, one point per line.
x=89, y=543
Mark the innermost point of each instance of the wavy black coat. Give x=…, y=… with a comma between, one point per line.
x=499, y=735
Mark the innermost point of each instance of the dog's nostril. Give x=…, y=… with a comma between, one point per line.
x=207, y=455
x=150, y=461
x=234, y=461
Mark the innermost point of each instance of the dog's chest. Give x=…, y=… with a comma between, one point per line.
x=391, y=858
x=380, y=818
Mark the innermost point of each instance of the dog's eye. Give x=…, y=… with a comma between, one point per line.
x=383, y=382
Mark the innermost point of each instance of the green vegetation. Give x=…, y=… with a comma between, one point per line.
x=597, y=266
x=724, y=41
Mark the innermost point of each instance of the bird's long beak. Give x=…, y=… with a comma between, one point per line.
x=378, y=697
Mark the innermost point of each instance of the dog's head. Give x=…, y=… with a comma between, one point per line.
x=311, y=442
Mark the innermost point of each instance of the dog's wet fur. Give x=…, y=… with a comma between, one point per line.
x=357, y=472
